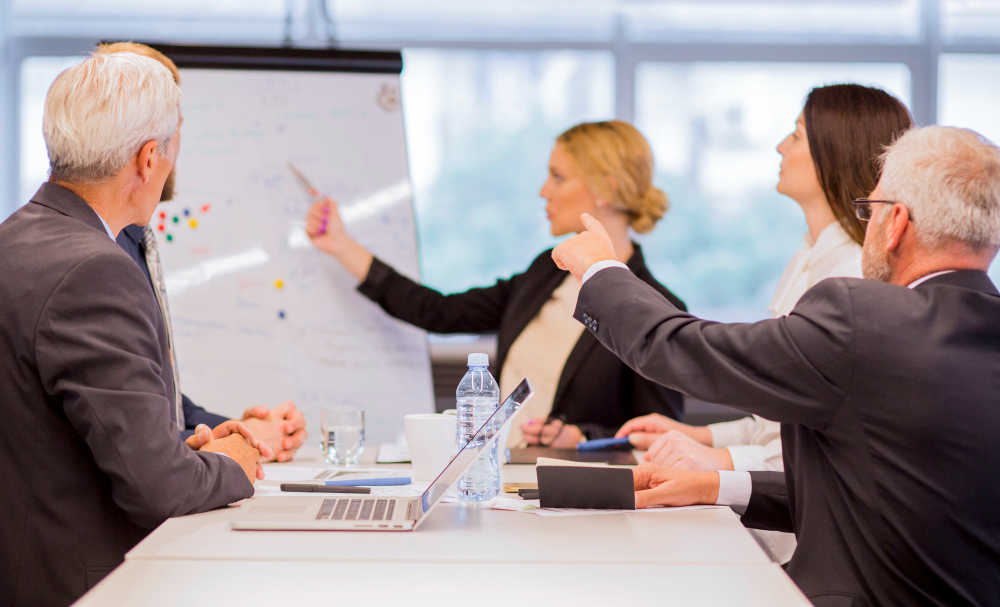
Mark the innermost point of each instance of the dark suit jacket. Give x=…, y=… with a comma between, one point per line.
x=130, y=239
x=890, y=403
x=89, y=452
x=596, y=391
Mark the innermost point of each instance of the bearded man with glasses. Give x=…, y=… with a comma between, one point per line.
x=887, y=389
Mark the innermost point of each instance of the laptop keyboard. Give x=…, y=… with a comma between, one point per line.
x=346, y=509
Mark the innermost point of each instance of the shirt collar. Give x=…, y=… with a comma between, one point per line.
x=928, y=277
x=107, y=228
x=830, y=238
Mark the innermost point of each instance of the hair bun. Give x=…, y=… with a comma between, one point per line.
x=649, y=209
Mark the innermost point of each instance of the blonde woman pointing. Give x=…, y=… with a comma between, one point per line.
x=582, y=391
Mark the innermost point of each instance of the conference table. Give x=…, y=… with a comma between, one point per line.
x=461, y=555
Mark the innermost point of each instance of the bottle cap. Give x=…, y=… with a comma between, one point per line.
x=479, y=360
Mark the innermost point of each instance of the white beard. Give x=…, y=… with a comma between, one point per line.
x=875, y=263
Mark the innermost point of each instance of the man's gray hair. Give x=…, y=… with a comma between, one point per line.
x=950, y=180
x=99, y=113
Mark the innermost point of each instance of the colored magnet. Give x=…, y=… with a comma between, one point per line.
x=187, y=212
x=205, y=208
x=177, y=219
x=281, y=314
x=193, y=223
x=279, y=283
x=170, y=237
x=163, y=215
x=161, y=227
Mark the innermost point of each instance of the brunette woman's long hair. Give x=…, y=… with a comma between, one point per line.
x=848, y=126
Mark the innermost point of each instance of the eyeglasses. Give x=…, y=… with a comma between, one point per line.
x=863, y=207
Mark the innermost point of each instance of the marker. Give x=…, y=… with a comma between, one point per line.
x=603, y=443
x=304, y=181
x=293, y=488
x=373, y=482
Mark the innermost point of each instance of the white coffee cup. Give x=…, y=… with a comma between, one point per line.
x=431, y=440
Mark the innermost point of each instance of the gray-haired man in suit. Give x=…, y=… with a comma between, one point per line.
x=888, y=389
x=91, y=458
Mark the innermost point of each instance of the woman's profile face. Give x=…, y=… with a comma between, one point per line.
x=566, y=195
x=797, y=178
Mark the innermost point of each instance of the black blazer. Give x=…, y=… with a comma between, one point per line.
x=596, y=391
x=89, y=450
x=130, y=240
x=889, y=400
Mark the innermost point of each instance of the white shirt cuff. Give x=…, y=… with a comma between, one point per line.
x=597, y=267
x=734, y=490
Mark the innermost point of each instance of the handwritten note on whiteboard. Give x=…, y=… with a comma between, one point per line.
x=258, y=314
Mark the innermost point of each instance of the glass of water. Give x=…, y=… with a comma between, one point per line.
x=343, y=434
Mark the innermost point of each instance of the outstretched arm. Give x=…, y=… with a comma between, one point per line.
x=793, y=369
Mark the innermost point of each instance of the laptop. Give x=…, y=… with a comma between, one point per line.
x=378, y=513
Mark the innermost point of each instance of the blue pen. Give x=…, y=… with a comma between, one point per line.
x=603, y=443
x=371, y=482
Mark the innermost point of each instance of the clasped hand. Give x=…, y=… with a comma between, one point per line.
x=236, y=440
x=282, y=428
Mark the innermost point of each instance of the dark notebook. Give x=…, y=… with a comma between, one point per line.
x=529, y=455
x=586, y=487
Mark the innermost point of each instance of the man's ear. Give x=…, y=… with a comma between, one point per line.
x=146, y=159
x=896, y=225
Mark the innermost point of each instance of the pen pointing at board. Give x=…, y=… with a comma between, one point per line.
x=326, y=230
x=604, y=169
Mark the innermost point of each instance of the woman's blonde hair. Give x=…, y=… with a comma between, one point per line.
x=615, y=162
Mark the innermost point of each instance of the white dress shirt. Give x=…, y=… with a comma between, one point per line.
x=107, y=228
x=541, y=351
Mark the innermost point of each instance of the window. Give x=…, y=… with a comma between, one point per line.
x=765, y=21
x=963, y=20
x=714, y=128
x=37, y=74
x=480, y=126
x=968, y=90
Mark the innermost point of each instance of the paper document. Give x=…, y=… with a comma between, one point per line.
x=393, y=454
x=411, y=490
x=284, y=473
x=532, y=507
x=548, y=461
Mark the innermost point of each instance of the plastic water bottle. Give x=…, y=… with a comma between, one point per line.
x=478, y=396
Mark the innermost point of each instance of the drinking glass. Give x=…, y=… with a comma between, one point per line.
x=343, y=434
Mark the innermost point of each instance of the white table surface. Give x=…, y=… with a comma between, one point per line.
x=212, y=583
x=696, y=536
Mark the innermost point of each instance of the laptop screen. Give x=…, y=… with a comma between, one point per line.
x=484, y=437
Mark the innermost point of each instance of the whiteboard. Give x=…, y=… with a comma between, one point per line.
x=259, y=316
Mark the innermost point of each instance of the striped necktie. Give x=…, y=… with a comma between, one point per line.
x=152, y=254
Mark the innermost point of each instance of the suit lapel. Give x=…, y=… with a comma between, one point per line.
x=535, y=297
x=584, y=346
x=587, y=342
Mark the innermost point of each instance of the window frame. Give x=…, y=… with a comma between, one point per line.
x=920, y=57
